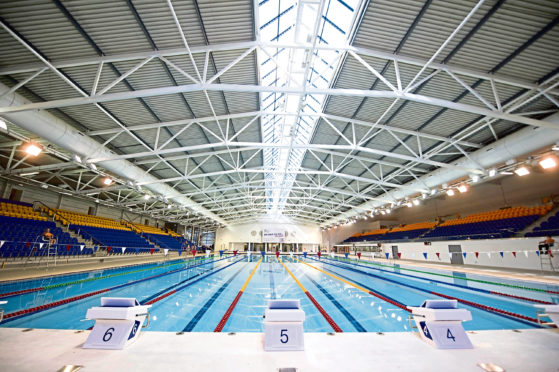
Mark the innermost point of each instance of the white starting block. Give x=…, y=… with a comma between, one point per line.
x=2, y=310
x=283, y=328
x=118, y=323
x=549, y=311
x=439, y=323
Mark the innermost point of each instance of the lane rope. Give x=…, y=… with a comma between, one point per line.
x=231, y=307
x=315, y=302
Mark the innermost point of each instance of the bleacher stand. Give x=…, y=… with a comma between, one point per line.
x=502, y=223
x=547, y=228
x=373, y=235
x=21, y=228
x=411, y=231
x=161, y=238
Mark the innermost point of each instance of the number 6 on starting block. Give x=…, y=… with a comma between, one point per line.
x=118, y=323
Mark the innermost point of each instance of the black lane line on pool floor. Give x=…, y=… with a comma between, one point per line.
x=338, y=305
x=475, y=305
x=194, y=321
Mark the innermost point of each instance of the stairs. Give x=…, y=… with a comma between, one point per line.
x=538, y=222
x=88, y=243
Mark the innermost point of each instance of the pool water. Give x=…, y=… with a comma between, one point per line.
x=193, y=295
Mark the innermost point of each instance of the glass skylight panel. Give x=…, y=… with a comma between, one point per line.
x=298, y=23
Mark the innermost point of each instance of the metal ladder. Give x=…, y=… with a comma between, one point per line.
x=546, y=262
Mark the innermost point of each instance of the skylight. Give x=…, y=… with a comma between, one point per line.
x=289, y=119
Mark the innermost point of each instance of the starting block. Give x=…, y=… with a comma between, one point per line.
x=549, y=311
x=283, y=327
x=439, y=323
x=118, y=322
x=2, y=310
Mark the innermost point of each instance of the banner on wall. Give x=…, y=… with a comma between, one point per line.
x=273, y=236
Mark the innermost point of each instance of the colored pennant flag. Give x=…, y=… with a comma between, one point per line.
x=359, y=255
x=277, y=255
x=234, y=253
x=538, y=253
x=304, y=254
x=291, y=254
x=151, y=251
x=2, y=243
x=109, y=249
x=81, y=247
x=464, y=254
x=477, y=254
x=95, y=248
x=41, y=245
x=514, y=254
x=180, y=252
x=387, y=254
x=137, y=250
x=372, y=255
x=165, y=251
x=318, y=254
x=27, y=244
x=425, y=255
x=526, y=253
x=123, y=249
x=193, y=252
x=438, y=255
x=346, y=254
x=502, y=254
x=221, y=253
x=399, y=254
x=450, y=255
x=488, y=254
x=550, y=253
x=413, y=255
x=68, y=248
x=263, y=253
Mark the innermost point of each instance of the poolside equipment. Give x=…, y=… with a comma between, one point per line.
x=283, y=326
x=2, y=310
x=439, y=323
x=548, y=311
x=118, y=322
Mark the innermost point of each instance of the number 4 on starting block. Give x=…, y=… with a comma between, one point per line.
x=439, y=323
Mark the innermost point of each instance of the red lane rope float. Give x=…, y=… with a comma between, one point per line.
x=229, y=311
x=485, y=307
x=160, y=297
x=15, y=293
x=522, y=298
x=54, y=304
x=328, y=318
x=76, y=298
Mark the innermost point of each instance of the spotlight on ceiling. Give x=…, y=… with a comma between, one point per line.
x=475, y=178
x=93, y=166
x=450, y=192
x=548, y=162
x=33, y=149
x=383, y=212
x=462, y=188
x=433, y=191
x=77, y=158
x=107, y=181
x=146, y=197
x=3, y=125
x=415, y=202
x=409, y=204
x=492, y=172
x=522, y=171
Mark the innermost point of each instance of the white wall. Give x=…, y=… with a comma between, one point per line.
x=243, y=233
x=415, y=250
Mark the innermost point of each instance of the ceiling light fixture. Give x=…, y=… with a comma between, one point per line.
x=522, y=171
x=3, y=125
x=415, y=202
x=107, y=181
x=492, y=172
x=146, y=197
x=548, y=162
x=33, y=150
x=450, y=192
x=475, y=178
x=409, y=204
x=462, y=188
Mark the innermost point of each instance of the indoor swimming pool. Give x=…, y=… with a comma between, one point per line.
x=230, y=294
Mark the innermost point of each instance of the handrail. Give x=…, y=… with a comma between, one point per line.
x=131, y=227
x=53, y=211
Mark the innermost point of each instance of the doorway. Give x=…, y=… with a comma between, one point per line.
x=15, y=194
x=456, y=257
x=395, y=252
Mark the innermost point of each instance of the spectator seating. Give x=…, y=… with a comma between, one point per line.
x=501, y=223
x=160, y=237
x=23, y=235
x=19, y=210
x=372, y=235
x=411, y=231
x=110, y=237
x=549, y=227
x=73, y=218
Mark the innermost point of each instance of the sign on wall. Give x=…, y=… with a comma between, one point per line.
x=273, y=236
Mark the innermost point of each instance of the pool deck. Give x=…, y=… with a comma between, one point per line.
x=50, y=350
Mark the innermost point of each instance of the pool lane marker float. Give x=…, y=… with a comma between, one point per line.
x=504, y=313
x=456, y=277
x=486, y=291
x=80, y=281
x=229, y=311
x=21, y=313
x=315, y=303
x=372, y=293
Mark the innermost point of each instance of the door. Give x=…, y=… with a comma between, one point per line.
x=395, y=252
x=456, y=258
